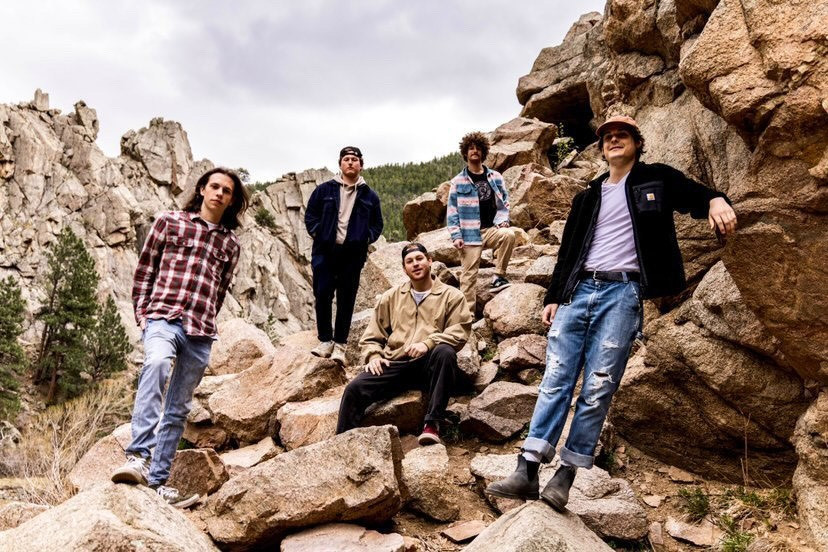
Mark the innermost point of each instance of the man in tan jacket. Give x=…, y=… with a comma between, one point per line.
x=410, y=343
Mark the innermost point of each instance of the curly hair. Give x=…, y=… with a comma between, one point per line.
x=241, y=197
x=478, y=139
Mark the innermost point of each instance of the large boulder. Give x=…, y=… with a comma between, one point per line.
x=426, y=212
x=15, y=513
x=607, y=505
x=810, y=481
x=353, y=476
x=246, y=457
x=245, y=407
x=534, y=527
x=307, y=422
x=522, y=352
x=238, y=346
x=382, y=270
x=439, y=244
x=431, y=490
x=538, y=196
x=519, y=142
x=109, y=517
x=98, y=463
x=516, y=311
x=500, y=411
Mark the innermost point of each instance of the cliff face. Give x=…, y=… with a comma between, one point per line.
x=54, y=175
x=735, y=93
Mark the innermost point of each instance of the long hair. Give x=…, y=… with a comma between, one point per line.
x=234, y=211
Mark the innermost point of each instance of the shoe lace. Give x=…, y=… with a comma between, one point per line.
x=170, y=494
x=137, y=463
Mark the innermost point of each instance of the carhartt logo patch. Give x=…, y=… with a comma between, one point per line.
x=650, y=197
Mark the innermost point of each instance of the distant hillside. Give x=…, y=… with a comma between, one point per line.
x=397, y=184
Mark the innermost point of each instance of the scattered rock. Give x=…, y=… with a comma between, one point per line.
x=246, y=406
x=653, y=501
x=521, y=352
x=540, y=271
x=249, y=456
x=464, y=531
x=353, y=476
x=516, y=311
x=307, y=422
x=426, y=476
x=405, y=411
x=343, y=537
x=500, y=411
x=680, y=476
x=703, y=534
x=239, y=345
x=197, y=471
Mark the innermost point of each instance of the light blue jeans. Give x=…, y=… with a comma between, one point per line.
x=594, y=332
x=163, y=342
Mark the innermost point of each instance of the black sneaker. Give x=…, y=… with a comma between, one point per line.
x=499, y=283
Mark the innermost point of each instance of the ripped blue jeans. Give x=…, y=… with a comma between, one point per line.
x=594, y=332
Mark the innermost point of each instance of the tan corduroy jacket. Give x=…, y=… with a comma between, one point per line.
x=397, y=322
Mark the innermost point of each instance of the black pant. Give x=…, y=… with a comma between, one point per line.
x=336, y=270
x=433, y=373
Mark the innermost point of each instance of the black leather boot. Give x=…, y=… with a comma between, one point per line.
x=517, y=485
x=556, y=492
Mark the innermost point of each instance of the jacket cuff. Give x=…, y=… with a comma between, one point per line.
x=429, y=343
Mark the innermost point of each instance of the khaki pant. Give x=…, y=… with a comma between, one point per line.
x=501, y=241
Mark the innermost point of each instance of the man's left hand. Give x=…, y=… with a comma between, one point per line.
x=721, y=216
x=416, y=350
x=504, y=224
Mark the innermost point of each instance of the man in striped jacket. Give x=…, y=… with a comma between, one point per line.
x=478, y=217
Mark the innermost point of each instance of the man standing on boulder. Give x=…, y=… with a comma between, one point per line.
x=343, y=217
x=618, y=247
x=183, y=274
x=411, y=343
x=478, y=217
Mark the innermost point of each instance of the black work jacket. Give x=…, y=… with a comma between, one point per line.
x=322, y=217
x=653, y=193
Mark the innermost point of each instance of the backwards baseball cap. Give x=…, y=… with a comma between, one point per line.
x=350, y=150
x=617, y=119
x=414, y=246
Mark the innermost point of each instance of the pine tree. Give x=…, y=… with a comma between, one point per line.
x=107, y=343
x=67, y=315
x=11, y=353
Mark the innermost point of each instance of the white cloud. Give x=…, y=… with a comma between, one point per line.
x=276, y=87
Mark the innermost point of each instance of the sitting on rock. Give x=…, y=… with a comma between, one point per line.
x=411, y=343
x=618, y=247
x=343, y=217
x=182, y=277
x=477, y=216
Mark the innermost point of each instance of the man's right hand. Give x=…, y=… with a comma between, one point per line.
x=548, y=314
x=459, y=243
x=143, y=324
x=375, y=365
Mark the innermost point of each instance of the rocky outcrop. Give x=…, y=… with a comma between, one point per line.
x=55, y=175
x=354, y=476
x=15, y=513
x=519, y=142
x=108, y=517
x=810, y=479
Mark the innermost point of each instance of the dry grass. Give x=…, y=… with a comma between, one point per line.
x=61, y=435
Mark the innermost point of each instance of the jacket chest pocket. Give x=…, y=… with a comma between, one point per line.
x=182, y=246
x=466, y=189
x=649, y=197
x=217, y=258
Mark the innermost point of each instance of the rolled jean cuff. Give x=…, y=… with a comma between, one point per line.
x=575, y=459
x=540, y=446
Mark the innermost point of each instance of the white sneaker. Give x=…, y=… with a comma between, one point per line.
x=339, y=353
x=324, y=349
x=135, y=471
x=174, y=498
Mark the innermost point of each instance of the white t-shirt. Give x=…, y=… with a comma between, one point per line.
x=419, y=295
x=613, y=243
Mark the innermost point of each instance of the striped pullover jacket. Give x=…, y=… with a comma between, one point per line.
x=463, y=211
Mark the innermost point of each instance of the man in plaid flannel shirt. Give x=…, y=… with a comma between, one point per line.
x=182, y=277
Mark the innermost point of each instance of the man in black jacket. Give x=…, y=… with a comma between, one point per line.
x=343, y=216
x=618, y=247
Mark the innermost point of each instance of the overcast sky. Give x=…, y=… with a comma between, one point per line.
x=279, y=89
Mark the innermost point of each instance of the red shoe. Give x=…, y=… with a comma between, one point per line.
x=430, y=435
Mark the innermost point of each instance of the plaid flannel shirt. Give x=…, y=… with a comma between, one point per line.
x=184, y=271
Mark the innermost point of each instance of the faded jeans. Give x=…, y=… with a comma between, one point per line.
x=163, y=342
x=594, y=332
